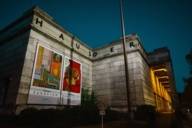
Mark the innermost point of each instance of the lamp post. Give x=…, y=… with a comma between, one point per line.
x=125, y=58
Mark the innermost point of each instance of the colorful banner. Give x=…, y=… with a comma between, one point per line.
x=56, y=79
x=71, y=93
x=46, y=79
x=47, y=69
x=72, y=77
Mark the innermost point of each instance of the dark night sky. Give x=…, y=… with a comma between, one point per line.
x=158, y=23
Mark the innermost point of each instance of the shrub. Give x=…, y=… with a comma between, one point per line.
x=145, y=113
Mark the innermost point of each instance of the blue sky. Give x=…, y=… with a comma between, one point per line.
x=97, y=22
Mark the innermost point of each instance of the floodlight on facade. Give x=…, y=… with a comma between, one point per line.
x=160, y=77
x=161, y=69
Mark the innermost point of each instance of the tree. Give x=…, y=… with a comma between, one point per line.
x=187, y=96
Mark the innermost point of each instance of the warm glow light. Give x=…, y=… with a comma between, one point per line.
x=158, y=86
x=162, y=97
x=161, y=69
x=163, y=77
x=153, y=81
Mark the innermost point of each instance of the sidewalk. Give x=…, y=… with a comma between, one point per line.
x=118, y=124
x=162, y=121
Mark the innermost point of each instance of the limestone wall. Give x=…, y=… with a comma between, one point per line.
x=109, y=75
x=103, y=68
x=37, y=37
x=12, y=53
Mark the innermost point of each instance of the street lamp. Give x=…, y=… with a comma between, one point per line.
x=125, y=58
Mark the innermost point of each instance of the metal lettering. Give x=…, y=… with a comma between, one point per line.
x=94, y=54
x=89, y=53
x=131, y=44
x=61, y=36
x=39, y=22
x=77, y=45
x=112, y=50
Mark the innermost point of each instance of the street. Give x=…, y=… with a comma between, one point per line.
x=165, y=120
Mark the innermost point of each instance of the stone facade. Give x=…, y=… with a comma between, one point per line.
x=103, y=68
x=109, y=74
x=161, y=59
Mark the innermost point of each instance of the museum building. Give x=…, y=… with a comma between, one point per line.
x=44, y=66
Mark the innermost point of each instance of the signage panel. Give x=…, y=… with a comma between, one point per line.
x=56, y=79
x=71, y=92
x=45, y=85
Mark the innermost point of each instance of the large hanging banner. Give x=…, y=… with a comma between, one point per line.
x=46, y=79
x=71, y=92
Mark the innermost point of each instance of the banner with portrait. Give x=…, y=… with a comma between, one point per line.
x=71, y=91
x=46, y=79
